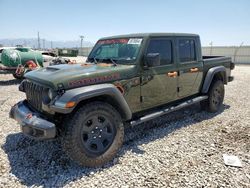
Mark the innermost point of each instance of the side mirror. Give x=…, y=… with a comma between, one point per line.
x=152, y=59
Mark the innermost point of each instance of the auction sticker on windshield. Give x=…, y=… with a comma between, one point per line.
x=135, y=41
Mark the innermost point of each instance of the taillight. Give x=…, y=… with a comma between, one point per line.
x=31, y=64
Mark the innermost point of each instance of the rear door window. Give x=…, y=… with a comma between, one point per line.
x=186, y=50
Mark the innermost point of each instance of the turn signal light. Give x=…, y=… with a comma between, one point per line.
x=70, y=104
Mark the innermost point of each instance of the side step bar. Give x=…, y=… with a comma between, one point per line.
x=168, y=110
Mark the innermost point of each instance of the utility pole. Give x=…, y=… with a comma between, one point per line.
x=51, y=44
x=236, y=51
x=211, y=47
x=43, y=44
x=38, y=41
x=81, y=37
x=24, y=43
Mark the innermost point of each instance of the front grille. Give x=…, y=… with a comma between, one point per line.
x=34, y=94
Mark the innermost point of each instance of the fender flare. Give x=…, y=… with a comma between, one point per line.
x=210, y=75
x=87, y=92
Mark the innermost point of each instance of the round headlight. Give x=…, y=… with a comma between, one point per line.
x=47, y=96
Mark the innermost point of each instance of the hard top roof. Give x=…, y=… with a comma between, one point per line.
x=133, y=35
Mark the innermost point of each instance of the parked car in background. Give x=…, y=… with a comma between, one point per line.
x=48, y=56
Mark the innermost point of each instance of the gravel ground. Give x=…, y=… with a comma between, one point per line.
x=182, y=149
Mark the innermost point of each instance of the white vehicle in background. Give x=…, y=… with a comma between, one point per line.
x=48, y=56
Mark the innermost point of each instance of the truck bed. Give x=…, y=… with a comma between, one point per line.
x=219, y=60
x=216, y=58
x=212, y=61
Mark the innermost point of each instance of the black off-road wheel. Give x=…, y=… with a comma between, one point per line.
x=215, y=97
x=93, y=135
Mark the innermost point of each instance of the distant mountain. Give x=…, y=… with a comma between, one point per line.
x=32, y=42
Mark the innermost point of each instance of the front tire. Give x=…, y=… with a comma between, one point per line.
x=215, y=97
x=94, y=134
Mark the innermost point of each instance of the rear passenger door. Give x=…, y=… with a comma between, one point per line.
x=159, y=83
x=190, y=68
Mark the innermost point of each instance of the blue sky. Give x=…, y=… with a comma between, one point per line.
x=225, y=22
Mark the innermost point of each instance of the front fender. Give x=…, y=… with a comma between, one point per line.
x=79, y=94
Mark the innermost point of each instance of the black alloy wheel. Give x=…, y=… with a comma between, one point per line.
x=97, y=134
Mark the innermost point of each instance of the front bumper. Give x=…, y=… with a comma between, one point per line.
x=31, y=122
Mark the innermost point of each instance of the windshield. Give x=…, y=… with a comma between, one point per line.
x=123, y=50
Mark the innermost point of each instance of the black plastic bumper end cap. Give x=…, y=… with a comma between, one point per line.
x=230, y=78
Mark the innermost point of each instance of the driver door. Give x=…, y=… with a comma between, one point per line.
x=159, y=83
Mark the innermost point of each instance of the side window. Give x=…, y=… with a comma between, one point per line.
x=163, y=47
x=187, y=50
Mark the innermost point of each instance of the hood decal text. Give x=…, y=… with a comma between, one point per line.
x=94, y=80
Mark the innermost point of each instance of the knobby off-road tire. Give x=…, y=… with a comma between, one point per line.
x=215, y=97
x=93, y=135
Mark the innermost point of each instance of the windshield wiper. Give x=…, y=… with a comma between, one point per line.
x=92, y=60
x=95, y=61
x=112, y=61
x=101, y=60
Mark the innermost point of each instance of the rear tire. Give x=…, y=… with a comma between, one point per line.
x=215, y=97
x=93, y=135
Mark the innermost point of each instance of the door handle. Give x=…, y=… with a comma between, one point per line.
x=194, y=69
x=172, y=74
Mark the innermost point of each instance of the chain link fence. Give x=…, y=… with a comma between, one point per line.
x=239, y=54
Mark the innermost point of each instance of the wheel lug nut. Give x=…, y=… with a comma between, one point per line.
x=100, y=136
x=94, y=137
x=96, y=127
x=100, y=130
x=92, y=132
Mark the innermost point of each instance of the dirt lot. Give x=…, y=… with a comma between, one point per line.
x=182, y=149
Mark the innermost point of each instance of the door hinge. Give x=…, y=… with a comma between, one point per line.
x=178, y=89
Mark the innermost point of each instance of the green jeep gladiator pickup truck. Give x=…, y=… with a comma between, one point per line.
x=126, y=80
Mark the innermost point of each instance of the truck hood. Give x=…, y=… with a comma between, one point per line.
x=77, y=75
